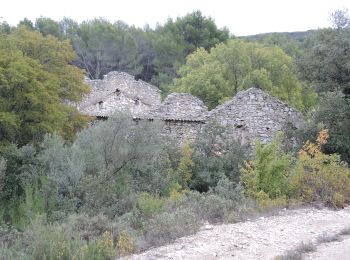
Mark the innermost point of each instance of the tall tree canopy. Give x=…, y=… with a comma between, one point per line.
x=36, y=80
x=102, y=47
x=326, y=63
x=176, y=39
x=292, y=46
x=326, y=67
x=153, y=55
x=217, y=75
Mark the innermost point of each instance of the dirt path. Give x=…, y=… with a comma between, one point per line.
x=263, y=238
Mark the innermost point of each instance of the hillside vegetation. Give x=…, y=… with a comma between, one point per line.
x=72, y=192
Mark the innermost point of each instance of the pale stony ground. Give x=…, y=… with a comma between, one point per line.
x=263, y=238
x=339, y=250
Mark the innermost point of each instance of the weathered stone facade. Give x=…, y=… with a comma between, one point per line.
x=119, y=91
x=182, y=113
x=254, y=115
x=250, y=116
x=178, y=106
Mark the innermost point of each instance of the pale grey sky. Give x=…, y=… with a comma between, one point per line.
x=242, y=17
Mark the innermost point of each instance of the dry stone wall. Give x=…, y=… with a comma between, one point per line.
x=182, y=130
x=112, y=103
x=180, y=107
x=250, y=116
x=254, y=115
x=182, y=113
x=119, y=91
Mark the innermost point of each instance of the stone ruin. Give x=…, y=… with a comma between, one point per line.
x=119, y=91
x=255, y=115
x=182, y=114
x=250, y=116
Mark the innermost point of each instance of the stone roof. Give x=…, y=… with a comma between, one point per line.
x=119, y=91
x=256, y=98
x=253, y=114
x=178, y=107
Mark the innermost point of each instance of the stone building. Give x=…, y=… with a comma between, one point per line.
x=254, y=115
x=250, y=116
x=119, y=91
x=182, y=114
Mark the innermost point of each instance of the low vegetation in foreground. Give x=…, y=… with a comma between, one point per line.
x=121, y=188
x=67, y=192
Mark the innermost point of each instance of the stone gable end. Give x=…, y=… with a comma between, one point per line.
x=249, y=116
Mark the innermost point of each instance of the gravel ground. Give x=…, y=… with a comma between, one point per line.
x=339, y=250
x=263, y=238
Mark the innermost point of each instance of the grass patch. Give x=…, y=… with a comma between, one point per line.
x=304, y=248
x=298, y=252
x=327, y=238
x=345, y=231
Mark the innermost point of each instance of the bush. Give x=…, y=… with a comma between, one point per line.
x=149, y=205
x=59, y=241
x=266, y=178
x=8, y=235
x=125, y=244
x=166, y=226
x=90, y=228
x=321, y=177
x=104, y=165
x=215, y=157
x=18, y=172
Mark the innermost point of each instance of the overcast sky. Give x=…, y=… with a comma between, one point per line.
x=242, y=17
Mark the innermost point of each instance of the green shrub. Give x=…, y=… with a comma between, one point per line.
x=89, y=228
x=321, y=177
x=125, y=244
x=215, y=157
x=18, y=174
x=166, y=226
x=59, y=241
x=266, y=178
x=149, y=205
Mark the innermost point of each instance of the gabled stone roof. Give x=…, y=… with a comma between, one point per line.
x=178, y=107
x=119, y=91
x=255, y=115
x=257, y=101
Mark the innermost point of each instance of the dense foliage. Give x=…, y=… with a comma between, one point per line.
x=326, y=67
x=153, y=55
x=276, y=178
x=219, y=74
x=35, y=78
x=121, y=186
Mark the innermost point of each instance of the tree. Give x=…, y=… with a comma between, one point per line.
x=102, y=47
x=334, y=113
x=28, y=24
x=36, y=80
x=326, y=67
x=176, y=39
x=325, y=64
x=56, y=57
x=217, y=75
x=47, y=26
x=5, y=28
x=200, y=31
x=290, y=45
